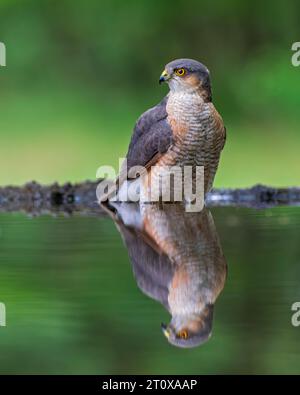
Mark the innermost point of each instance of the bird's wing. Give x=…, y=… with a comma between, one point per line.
x=153, y=271
x=151, y=138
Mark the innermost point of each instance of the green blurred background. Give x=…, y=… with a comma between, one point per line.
x=80, y=73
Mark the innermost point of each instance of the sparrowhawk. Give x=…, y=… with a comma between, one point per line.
x=184, y=129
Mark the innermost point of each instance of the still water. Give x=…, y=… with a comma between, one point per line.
x=76, y=303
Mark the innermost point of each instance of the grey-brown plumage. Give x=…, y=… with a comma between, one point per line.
x=185, y=128
x=152, y=135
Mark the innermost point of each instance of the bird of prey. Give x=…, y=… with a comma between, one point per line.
x=177, y=260
x=184, y=129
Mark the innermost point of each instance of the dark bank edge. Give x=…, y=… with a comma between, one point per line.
x=37, y=199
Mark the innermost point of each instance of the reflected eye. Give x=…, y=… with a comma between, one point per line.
x=180, y=72
x=183, y=334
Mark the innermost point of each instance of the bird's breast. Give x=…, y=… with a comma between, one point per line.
x=193, y=124
x=197, y=132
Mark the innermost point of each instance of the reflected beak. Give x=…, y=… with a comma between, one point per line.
x=165, y=330
x=164, y=77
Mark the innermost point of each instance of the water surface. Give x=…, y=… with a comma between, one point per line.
x=73, y=305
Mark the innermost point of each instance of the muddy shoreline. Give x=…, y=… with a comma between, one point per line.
x=37, y=199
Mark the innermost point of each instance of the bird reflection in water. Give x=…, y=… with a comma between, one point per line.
x=177, y=260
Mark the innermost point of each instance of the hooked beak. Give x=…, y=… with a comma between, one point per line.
x=165, y=330
x=164, y=77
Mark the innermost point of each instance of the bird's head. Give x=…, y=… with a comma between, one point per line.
x=187, y=75
x=190, y=330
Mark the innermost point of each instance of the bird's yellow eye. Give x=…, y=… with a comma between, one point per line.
x=183, y=334
x=180, y=72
